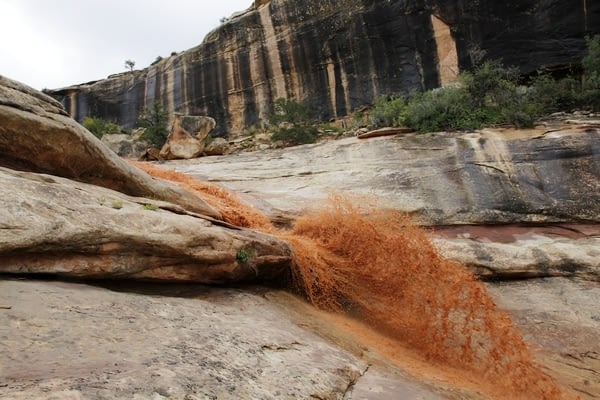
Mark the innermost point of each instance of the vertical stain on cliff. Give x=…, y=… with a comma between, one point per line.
x=337, y=56
x=446, y=52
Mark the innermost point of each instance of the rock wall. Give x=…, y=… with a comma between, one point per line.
x=337, y=56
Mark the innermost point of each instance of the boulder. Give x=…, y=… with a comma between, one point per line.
x=37, y=135
x=187, y=138
x=127, y=146
x=217, y=147
x=53, y=225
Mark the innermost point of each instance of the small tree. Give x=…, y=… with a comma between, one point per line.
x=154, y=120
x=129, y=64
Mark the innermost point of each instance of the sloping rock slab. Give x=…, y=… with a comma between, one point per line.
x=37, y=135
x=54, y=225
x=74, y=341
x=496, y=176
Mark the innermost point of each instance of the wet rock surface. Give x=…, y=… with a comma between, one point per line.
x=509, y=204
x=487, y=177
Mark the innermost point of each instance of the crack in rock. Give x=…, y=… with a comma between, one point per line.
x=347, y=395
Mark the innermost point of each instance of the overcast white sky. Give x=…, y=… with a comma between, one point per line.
x=56, y=43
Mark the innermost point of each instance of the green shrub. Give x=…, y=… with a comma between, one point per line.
x=293, y=120
x=150, y=207
x=245, y=255
x=388, y=111
x=154, y=120
x=448, y=108
x=100, y=127
x=490, y=83
x=290, y=111
x=591, y=73
x=117, y=204
x=295, y=135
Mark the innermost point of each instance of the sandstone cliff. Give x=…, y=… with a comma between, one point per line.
x=337, y=56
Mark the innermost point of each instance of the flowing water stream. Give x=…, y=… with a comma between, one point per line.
x=380, y=268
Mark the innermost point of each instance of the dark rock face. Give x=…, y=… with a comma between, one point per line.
x=337, y=56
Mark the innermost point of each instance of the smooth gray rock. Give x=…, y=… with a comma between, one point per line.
x=487, y=177
x=560, y=318
x=127, y=146
x=515, y=185
x=74, y=341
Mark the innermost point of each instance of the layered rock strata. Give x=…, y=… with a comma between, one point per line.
x=57, y=226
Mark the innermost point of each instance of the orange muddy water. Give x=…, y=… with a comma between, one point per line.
x=381, y=269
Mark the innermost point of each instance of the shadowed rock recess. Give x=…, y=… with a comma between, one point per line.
x=337, y=56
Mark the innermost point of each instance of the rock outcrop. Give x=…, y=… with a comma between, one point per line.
x=37, y=135
x=177, y=342
x=57, y=226
x=499, y=194
x=187, y=138
x=51, y=224
x=337, y=56
x=129, y=146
